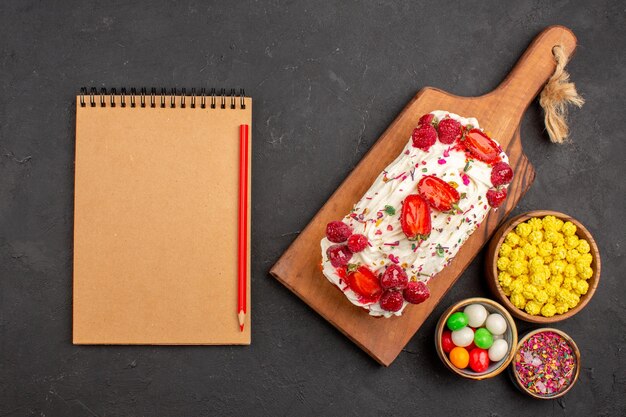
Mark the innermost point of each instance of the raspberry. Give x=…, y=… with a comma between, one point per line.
x=394, y=277
x=501, y=173
x=416, y=292
x=357, y=242
x=338, y=232
x=339, y=255
x=391, y=300
x=424, y=137
x=496, y=197
x=449, y=130
x=426, y=119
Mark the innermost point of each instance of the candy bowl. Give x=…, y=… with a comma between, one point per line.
x=546, y=364
x=476, y=338
x=540, y=269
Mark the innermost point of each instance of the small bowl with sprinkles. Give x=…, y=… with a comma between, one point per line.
x=546, y=364
x=543, y=266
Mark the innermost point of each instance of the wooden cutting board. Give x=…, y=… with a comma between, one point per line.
x=499, y=113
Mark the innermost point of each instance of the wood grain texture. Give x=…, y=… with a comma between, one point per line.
x=491, y=269
x=499, y=113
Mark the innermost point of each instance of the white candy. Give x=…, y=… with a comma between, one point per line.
x=498, y=350
x=496, y=324
x=476, y=315
x=463, y=337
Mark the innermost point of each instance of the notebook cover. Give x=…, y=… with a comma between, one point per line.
x=155, y=225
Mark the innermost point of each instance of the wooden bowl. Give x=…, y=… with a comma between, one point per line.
x=571, y=342
x=510, y=336
x=491, y=268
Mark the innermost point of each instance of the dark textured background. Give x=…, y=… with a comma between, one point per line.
x=326, y=79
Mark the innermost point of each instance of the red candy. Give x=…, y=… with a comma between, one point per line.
x=446, y=341
x=478, y=360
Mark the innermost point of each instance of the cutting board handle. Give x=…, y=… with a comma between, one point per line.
x=530, y=74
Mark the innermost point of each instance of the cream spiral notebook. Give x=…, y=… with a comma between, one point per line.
x=155, y=217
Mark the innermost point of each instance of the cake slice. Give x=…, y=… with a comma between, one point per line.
x=416, y=215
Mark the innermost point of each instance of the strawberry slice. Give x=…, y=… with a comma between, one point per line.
x=365, y=283
x=481, y=146
x=415, y=218
x=438, y=193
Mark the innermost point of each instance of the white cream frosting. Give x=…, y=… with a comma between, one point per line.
x=383, y=230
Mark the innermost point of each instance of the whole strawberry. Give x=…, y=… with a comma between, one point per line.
x=338, y=255
x=501, y=173
x=424, y=136
x=394, y=277
x=338, y=232
x=449, y=131
x=496, y=197
x=357, y=243
x=391, y=300
x=416, y=292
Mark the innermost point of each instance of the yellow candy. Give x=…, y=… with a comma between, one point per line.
x=503, y=263
x=518, y=300
x=586, y=258
x=505, y=249
x=561, y=308
x=523, y=229
x=571, y=242
x=524, y=279
x=560, y=240
x=506, y=291
x=512, y=239
x=547, y=259
x=573, y=300
x=539, y=278
x=505, y=279
x=551, y=300
x=544, y=249
x=559, y=252
x=548, y=310
x=529, y=291
x=583, y=246
x=551, y=289
x=569, y=283
x=529, y=250
x=516, y=286
x=541, y=296
x=581, y=287
x=517, y=255
x=568, y=229
x=535, y=223
x=535, y=264
x=587, y=273
x=516, y=268
x=557, y=267
x=572, y=255
x=533, y=307
x=563, y=295
x=550, y=236
x=535, y=237
x=549, y=223
x=556, y=280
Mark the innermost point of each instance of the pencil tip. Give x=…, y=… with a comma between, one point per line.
x=241, y=327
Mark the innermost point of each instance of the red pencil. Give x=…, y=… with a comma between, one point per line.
x=242, y=301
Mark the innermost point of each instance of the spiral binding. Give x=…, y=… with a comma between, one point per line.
x=92, y=98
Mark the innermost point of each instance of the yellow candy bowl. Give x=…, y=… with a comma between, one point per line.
x=491, y=266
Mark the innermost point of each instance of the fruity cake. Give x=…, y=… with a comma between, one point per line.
x=416, y=215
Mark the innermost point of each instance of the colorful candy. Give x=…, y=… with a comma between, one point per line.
x=476, y=315
x=457, y=321
x=483, y=338
x=478, y=360
x=545, y=364
x=446, y=341
x=463, y=337
x=496, y=324
x=459, y=357
x=475, y=338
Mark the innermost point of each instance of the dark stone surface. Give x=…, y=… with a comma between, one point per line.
x=327, y=79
